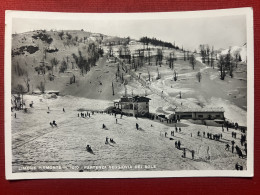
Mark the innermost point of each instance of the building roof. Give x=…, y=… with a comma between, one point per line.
x=205, y=109
x=135, y=99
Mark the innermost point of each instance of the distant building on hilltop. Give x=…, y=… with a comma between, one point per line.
x=133, y=106
x=199, y=113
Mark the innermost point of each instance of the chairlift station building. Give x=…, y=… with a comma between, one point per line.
x=200, y=113
x=133, y=106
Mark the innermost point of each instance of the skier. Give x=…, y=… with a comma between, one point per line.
x=137, y=126
x=89, y=149
x=106, y=140
x=227, y=147
x=184, y=153
x=54, y=123
x=176, y=144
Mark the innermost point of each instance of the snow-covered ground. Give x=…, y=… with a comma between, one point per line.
x=36, y=144
x=210, y=92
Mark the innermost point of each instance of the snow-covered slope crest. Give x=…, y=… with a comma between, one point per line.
x=242, y=51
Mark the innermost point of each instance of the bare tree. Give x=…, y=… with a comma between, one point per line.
x=159, y=57
x=158, y=74
x=208, y=53
x=175, y=76
x=149, y=75
x=211, y=57
x=54, y=62
x=113, y=92
x=61, y=35
x=192, y=61
x=149, y=56
x=221, y=65
x=237, y=58
x=171, y=60
x=203, y=53
x=41, y=87
x=27, y=82
x=20, y=91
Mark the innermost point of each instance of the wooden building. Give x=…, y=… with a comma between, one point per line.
x=133, y=106
x=199, y=113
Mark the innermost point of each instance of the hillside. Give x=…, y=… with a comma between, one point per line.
x=36, y=50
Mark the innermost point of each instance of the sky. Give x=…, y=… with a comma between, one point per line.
x=220, y=32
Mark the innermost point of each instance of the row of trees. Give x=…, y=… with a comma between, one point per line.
x=89, y=60
x=207, y=55
x=156, y=42
x=226, y=62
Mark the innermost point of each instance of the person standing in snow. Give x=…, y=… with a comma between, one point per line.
x=116, y=120
x=137, y=126
x=179, y=144
x=184, y=153
x=237, y=166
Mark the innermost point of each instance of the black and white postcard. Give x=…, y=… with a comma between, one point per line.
x=129, y=95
